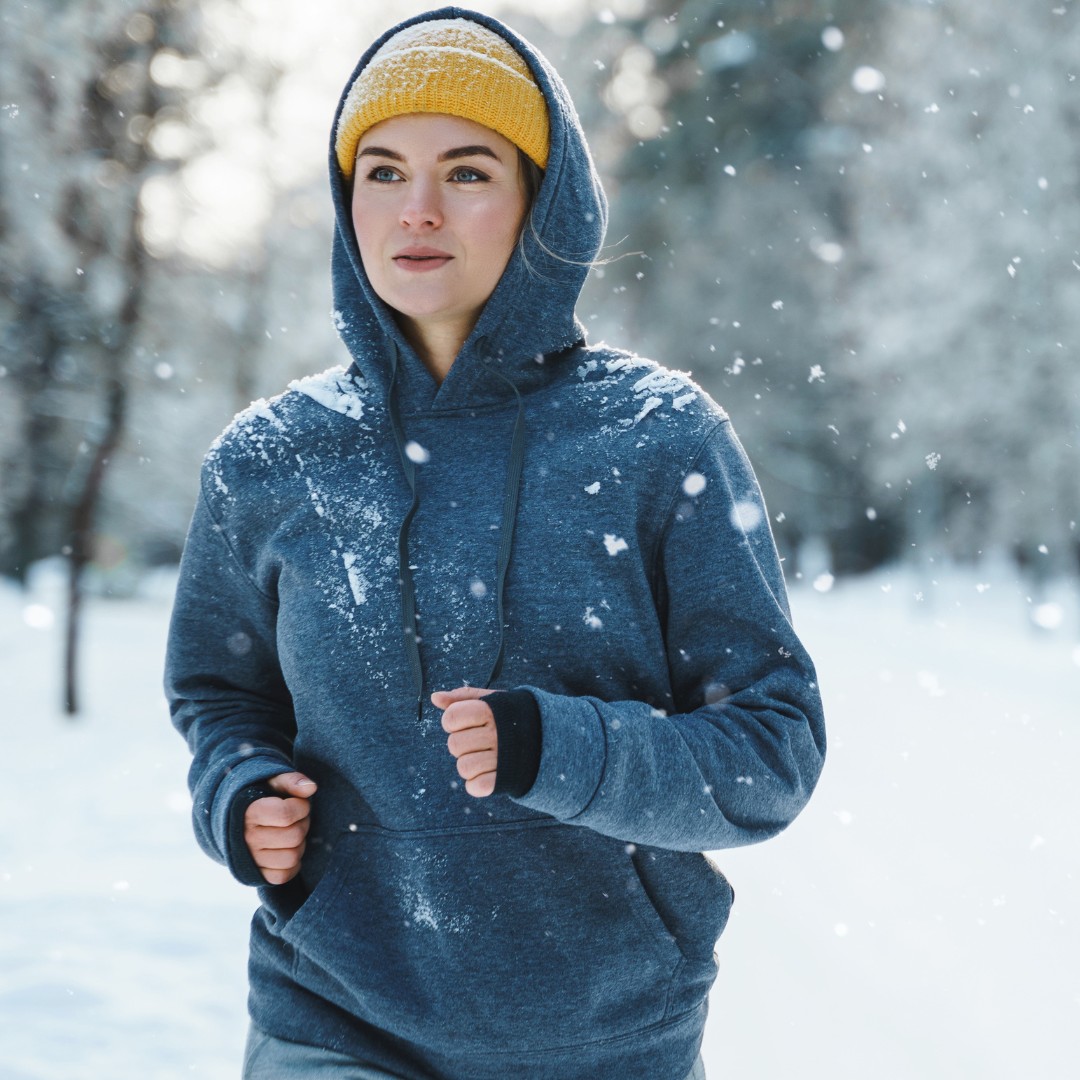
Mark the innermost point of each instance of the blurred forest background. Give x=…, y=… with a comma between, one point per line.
x=856, y=222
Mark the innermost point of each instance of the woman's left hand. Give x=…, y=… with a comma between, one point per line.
x=473, y=737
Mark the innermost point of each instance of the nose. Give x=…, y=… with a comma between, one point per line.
x=423, y=205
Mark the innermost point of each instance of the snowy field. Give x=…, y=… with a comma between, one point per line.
x=920, y=920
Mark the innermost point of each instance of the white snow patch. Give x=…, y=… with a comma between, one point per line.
x=38, y=616
x=262, y=410
x=357, y=582
x=1048, y=616
x=167, y=956
x=929, y=682
x=650, y=404
x=423, y=912
x=337, y=389
x=614, y=544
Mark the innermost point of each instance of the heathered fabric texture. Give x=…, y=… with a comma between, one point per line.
x=566, y=934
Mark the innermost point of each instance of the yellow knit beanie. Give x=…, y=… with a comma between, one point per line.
x=451, y=66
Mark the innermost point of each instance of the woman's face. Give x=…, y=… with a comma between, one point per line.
x=437, y=205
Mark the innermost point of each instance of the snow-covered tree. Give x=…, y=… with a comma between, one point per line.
x=962, y=289
x=81, y=103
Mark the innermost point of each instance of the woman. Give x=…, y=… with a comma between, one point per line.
x=479, y=642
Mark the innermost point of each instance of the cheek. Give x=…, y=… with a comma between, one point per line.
x=497, y=234
x=365, y=225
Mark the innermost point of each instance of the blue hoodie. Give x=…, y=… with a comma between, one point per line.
x=568, y=522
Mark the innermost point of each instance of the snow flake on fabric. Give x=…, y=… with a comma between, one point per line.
x=615, y=544
x=338, y=389
x=618, y=380
x=258, y=433
x=357, y=582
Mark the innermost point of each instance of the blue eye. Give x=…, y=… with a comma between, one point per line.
x=383, y=174
x=466, y=175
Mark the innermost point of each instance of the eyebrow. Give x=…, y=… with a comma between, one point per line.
x=478, y=150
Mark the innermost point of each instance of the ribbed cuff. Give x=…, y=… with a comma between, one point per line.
x=241, y=864
x=517, y=721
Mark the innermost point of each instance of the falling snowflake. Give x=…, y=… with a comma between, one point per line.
x=832, y=37
x=817, y=374
x=867, y=80
x=1048, y=616
x=416, y=453
x=746, y=515
x=694, y=484
x=932, y=461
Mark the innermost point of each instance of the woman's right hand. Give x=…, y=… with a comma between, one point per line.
x=275, y=828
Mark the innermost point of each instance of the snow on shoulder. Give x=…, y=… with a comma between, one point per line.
x=628, y=380
x=337, y=389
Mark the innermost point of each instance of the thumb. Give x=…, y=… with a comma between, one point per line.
x=443, y=699
x=292, y=784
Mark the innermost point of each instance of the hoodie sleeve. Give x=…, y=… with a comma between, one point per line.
x=225, y=689
x=738, y=759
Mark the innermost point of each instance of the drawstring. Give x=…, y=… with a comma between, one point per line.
x=509, y=514
x=506, y=530
x=408, y=589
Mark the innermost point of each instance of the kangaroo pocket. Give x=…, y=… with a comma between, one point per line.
x=522, y=937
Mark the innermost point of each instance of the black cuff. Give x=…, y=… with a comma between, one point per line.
x=517, y=721
x=241, y=864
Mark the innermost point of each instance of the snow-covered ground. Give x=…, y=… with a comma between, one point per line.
x=919, y=920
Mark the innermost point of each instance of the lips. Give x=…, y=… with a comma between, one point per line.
x=422, y=258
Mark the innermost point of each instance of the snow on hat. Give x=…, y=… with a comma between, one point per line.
x=451, y=66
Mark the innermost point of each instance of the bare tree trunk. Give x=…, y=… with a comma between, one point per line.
x=82, y=534
x=117, y=337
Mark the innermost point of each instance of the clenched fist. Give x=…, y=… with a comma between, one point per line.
x=473, y=738
x=275, y=828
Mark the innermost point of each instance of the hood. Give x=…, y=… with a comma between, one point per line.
x=529, y=318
